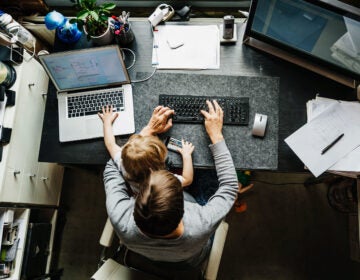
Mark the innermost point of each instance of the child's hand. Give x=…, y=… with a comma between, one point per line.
x=107, y=115
x=187, y=148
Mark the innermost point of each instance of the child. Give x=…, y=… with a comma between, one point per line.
x=142, y=154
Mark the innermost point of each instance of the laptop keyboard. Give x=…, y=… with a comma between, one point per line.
x=91, y=104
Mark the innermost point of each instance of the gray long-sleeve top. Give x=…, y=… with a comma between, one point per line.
x=200, y=222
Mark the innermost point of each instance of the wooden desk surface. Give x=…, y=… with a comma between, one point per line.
x=297, y=86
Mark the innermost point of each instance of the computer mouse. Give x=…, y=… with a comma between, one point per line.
x=259, y=126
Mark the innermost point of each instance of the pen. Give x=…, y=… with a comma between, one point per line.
x=332, y=144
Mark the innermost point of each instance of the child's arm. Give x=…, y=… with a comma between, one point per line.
x=108, y=117
x=188, y=170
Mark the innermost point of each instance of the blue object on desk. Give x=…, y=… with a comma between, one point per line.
x=67, y=32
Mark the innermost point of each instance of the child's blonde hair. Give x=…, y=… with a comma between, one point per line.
x=141, y=155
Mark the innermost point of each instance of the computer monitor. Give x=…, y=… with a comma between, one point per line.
x=318, y=31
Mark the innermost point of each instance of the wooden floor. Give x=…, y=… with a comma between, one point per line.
x=287, y=232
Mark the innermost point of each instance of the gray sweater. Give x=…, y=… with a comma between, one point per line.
x=200, y=222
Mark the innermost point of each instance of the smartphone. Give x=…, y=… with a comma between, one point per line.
x=228, y=27
x=172, y=144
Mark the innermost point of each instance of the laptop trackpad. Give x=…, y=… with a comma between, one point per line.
x=94, y=127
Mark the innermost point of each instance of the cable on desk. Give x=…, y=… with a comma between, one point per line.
x=145, y=79
x=133, y=54
x=133, y=63
x=152, y=74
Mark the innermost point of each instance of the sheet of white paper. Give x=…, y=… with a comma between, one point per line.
x=308, y=141
x=200, y=47
x=351, y=161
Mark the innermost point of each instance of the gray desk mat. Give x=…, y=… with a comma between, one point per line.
x=247, y=151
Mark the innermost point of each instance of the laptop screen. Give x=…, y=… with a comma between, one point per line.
x=86, y=69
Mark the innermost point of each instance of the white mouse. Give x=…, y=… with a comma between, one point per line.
x=259, y=126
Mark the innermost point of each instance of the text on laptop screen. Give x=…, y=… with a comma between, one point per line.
x=310, y=29
x=87, y=68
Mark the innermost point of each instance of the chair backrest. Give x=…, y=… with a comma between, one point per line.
x=112, y=270
x=163, y=270
x=167, y=270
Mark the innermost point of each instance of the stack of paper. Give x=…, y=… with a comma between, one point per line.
x=186, y=47
x=327, y=120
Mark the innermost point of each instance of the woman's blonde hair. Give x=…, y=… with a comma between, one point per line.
x=141, y=155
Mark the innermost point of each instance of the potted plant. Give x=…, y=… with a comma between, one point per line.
x=94, y=19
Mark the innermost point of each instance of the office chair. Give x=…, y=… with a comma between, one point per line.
x=111, y=270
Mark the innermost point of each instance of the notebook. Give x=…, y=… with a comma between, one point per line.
x=86, y=80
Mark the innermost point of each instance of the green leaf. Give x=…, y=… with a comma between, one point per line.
x=105, y=12
x=108, y=6
x=82, y=14
x=94, y=15
x=104, y=18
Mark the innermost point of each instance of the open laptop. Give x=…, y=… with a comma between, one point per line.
x=86, y=80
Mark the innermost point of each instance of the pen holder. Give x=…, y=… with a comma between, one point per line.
x=124, y=36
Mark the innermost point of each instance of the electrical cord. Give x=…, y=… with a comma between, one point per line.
x=145, y=79
x=155, y=68
x=133, y=63
x=133, y=54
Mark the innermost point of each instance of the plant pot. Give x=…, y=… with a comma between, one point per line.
x=105, y=39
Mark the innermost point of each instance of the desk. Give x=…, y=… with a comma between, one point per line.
x=297, y=86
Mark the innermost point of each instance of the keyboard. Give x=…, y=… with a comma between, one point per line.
x=187, y=108
x=91, y=104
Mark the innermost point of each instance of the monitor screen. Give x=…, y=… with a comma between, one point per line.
x=327, y=34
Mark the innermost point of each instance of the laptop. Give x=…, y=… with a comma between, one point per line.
x=86, y=80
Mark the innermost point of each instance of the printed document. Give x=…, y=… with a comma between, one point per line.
x=186, y=47
x=310, y=140
x=351, y=162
